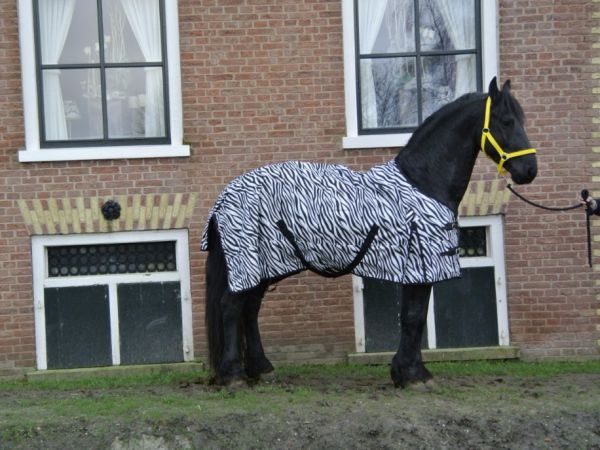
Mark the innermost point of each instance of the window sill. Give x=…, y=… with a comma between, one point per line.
x=95, y=153
x=375, y=141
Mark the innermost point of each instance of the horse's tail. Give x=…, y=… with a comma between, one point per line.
x=216, y=286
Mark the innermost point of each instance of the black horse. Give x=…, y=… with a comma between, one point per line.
x=437, y=162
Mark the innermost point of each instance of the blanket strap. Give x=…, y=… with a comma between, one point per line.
x=330, y=273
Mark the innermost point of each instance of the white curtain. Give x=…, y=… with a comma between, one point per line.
x=55, y=21
x=144, y=18
x=370, y=18
x=458, y=17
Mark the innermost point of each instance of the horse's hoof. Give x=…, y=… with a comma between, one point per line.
x=236, y=383
x=418, y=386
x=423, y=386
x=268, y=377
x=431, y=385
x=257, y=368
x=412, y=377
x=213, y=381
x=230, y=382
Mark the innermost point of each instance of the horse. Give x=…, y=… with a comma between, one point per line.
x=275, y=221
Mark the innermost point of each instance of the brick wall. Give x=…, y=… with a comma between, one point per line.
x=547, y=50
x=263, y=82
x=16, y=319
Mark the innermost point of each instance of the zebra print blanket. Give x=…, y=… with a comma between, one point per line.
x=284, y=218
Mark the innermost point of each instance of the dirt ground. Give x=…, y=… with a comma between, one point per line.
x=313, y=412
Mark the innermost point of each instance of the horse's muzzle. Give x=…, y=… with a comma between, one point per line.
x=522, y=170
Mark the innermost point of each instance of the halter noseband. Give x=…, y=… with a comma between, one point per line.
x=486, y=134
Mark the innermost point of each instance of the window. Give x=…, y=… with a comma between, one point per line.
x=100, y=71
x=477, y=298
x=406, y=58
x=115, y=299
x=101, y=79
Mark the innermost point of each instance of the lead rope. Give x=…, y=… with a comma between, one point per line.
x=588, y=212
x=584, y=195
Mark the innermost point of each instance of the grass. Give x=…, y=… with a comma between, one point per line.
x=128, y=396
x=445, y=369
x=97, y=404
x=513, y=368
x=448, y=369
x=452, y=369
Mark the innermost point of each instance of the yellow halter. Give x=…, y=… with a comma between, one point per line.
x=486, y=135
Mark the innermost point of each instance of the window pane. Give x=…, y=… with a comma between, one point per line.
x=447, y=24
x=102, y=259
x=72, y=106
x=386, y=27
x=68, y=31
x=445, y=78
x=132, y=31
x=135, y=102
x=473, y=241
x=388, y=92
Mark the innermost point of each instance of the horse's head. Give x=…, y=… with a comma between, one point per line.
x=503, y=137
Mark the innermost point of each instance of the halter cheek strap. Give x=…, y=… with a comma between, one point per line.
x=486, y=135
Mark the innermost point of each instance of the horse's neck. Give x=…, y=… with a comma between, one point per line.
x=440, y=157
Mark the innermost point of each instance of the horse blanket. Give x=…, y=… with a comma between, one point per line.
x=283, y=218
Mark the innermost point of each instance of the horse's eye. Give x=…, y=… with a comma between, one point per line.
x=508, y=122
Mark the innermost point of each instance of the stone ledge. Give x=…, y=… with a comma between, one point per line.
x=12, y=373
x=445, y=354
x=113, y=371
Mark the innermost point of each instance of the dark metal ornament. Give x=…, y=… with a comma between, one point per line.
x=111, y=210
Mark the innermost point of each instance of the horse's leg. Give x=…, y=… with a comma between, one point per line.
x=231, y=320
x=223, y=312
x=230, y=367
x=407, y=365
x=256, y=361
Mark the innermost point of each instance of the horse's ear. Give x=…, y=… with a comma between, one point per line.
x=493, y=91
x=506, y=87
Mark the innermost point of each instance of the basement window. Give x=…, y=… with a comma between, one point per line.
x=477, y=298
x=112, y=299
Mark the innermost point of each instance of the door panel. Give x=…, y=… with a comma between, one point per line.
x=465, y=310
x=382, y=308
x=77, y=327
x=150, y=323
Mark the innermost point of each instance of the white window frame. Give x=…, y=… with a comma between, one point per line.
x=352, y=140
x=34, y=153
x=42, y=281
x=494, y=258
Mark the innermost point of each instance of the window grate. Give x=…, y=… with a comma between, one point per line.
x=473, y=242
x=109, y=259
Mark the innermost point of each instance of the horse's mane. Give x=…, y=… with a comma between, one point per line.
x=434, y=123
x=511, y=104
x=506, y=102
